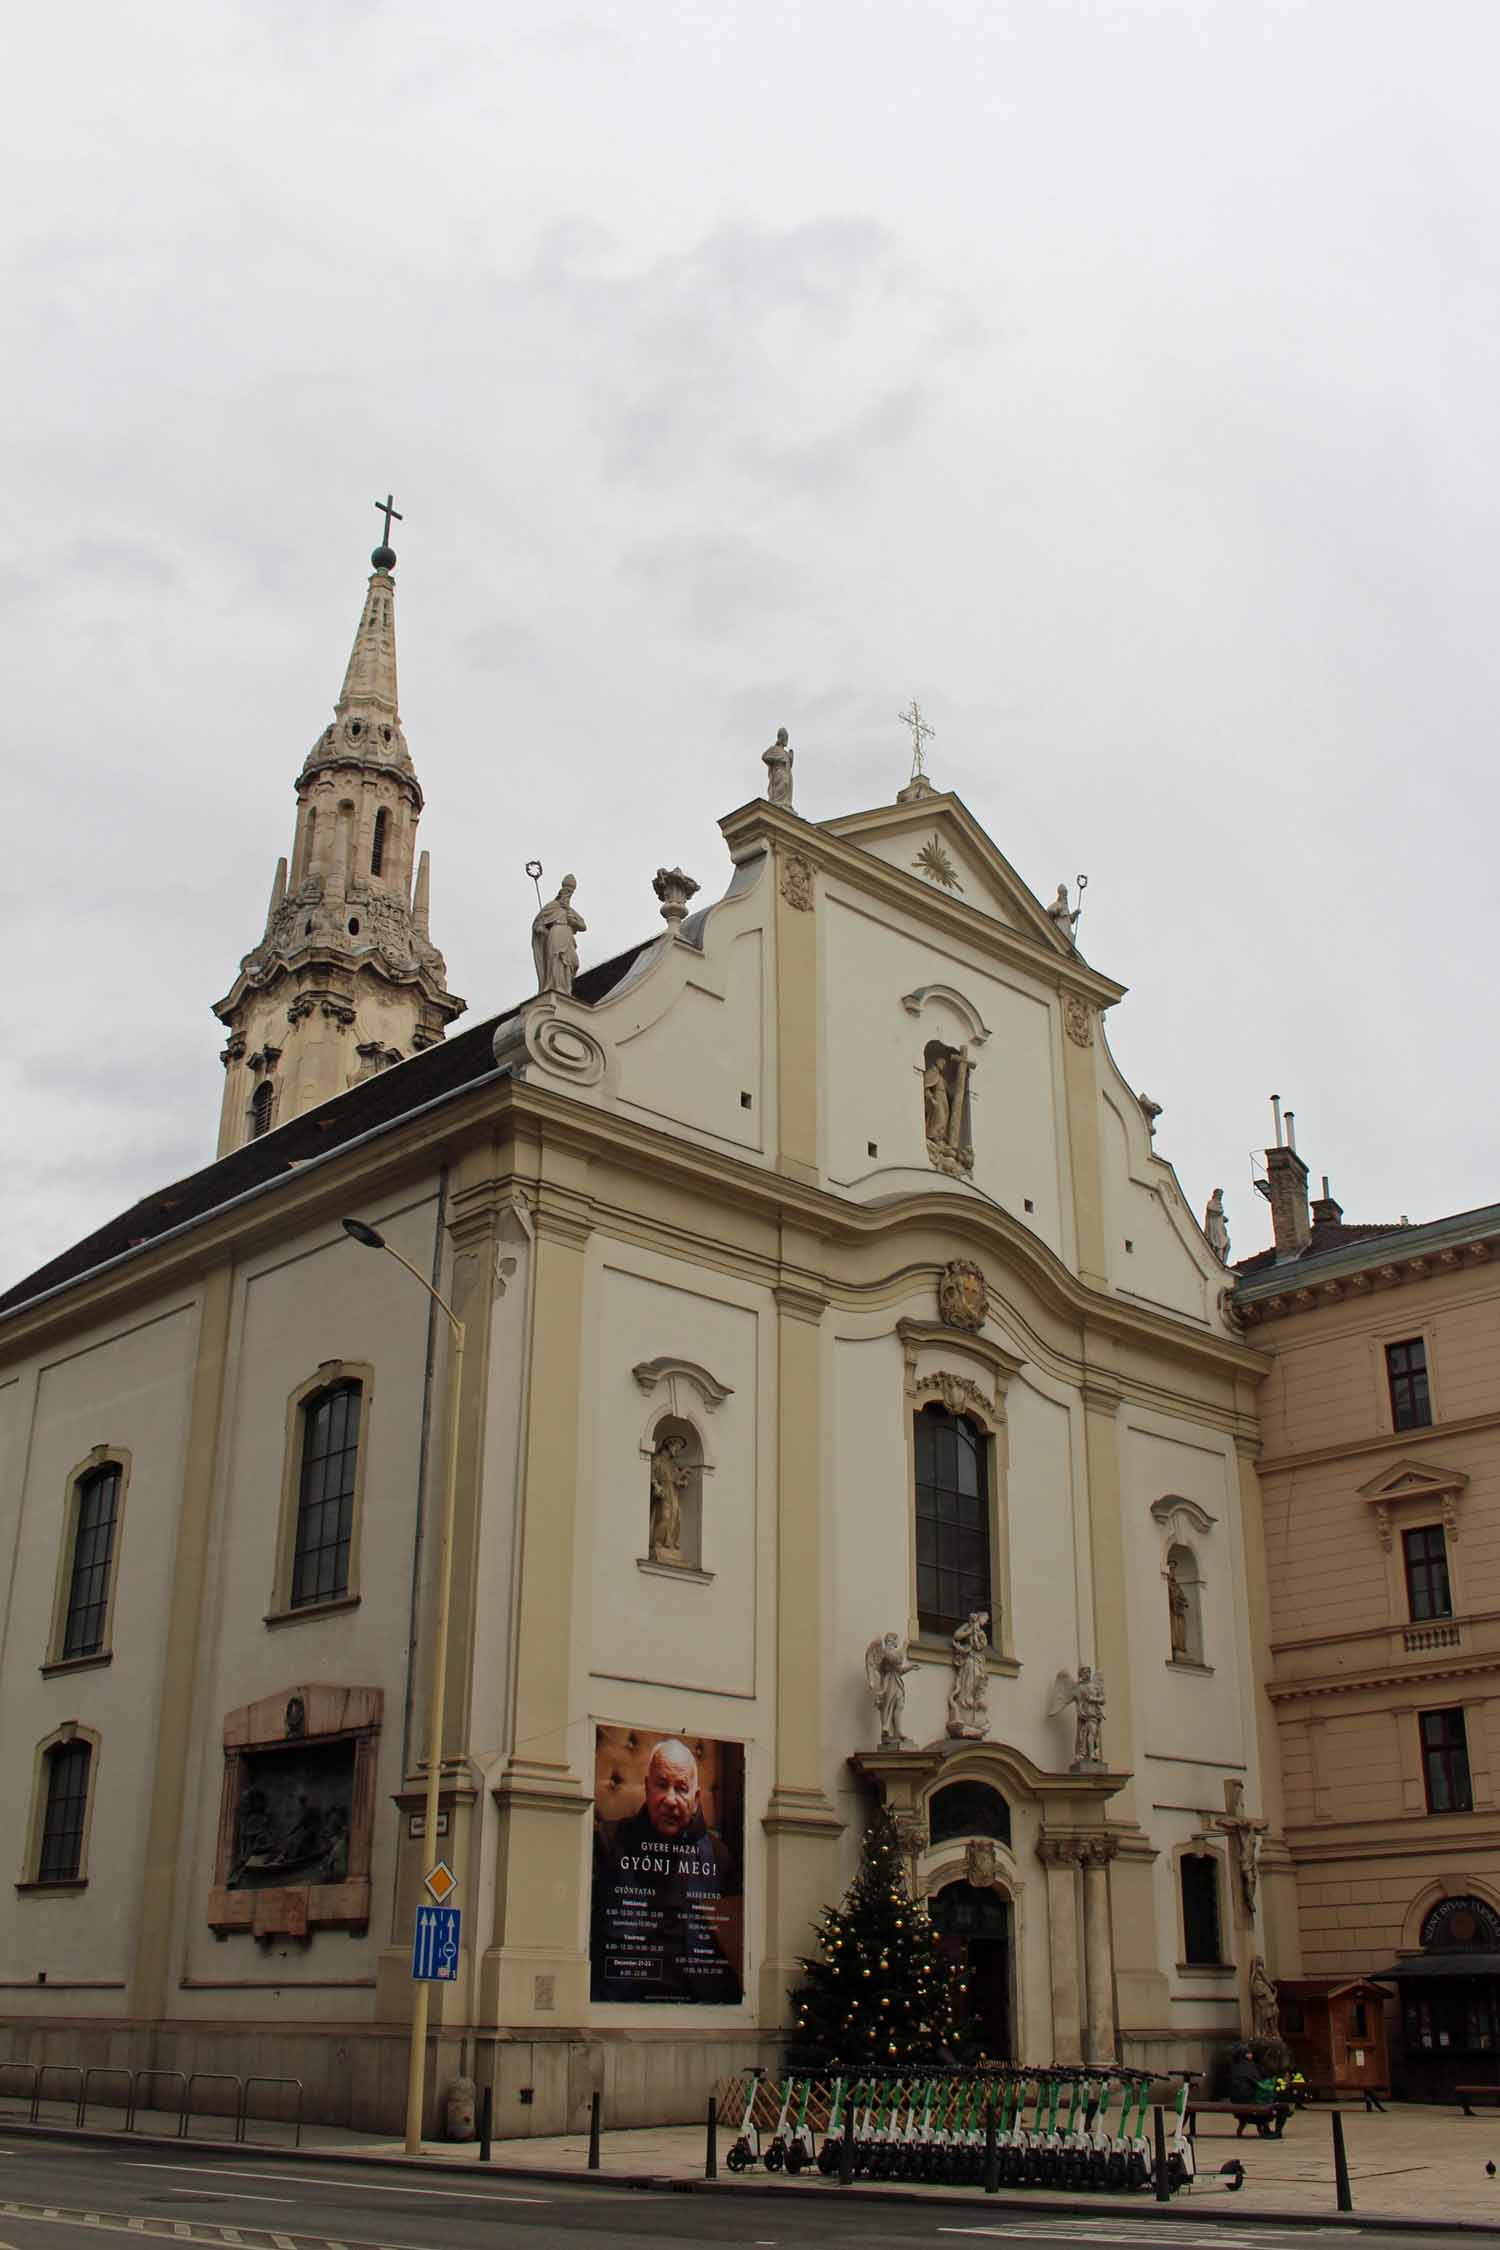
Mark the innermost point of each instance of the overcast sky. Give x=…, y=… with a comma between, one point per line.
x=1121, y=380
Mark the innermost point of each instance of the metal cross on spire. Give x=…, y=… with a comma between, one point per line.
x=921, y=733
x=387, y=507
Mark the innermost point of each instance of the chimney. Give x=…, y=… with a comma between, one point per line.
x=1325, y=1212
x=1286, y=1185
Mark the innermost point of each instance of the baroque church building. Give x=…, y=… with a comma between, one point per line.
x=848, y=1412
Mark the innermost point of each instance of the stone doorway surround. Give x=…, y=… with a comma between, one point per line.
x=1065, y=1828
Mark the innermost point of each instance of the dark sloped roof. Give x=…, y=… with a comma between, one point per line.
x=1327, y=1234
x=382, y=1100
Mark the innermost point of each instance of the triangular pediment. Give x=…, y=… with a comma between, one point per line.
x=937, y=841
x=1414, y=1480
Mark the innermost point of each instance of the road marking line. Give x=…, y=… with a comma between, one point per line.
x=313, y=2179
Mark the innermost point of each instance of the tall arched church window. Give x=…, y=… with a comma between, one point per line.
x=64, y=1807
x=95, y=1514
x=262, y=1109
x=377, y=845
x=325, y=1494
x=953, y=1520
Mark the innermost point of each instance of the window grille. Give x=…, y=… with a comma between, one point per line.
x=325, y=1495
x=62, y=1821
x=97, y=1513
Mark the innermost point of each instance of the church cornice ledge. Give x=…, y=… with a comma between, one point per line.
x=317, y=1186
x=758, y=825
x=259, y=975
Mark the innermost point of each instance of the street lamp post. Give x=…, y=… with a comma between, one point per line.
x=417, y=2059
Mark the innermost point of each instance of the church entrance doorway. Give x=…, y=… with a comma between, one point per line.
x=976, y=1927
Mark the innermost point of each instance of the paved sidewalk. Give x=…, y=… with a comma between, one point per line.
x=1411, y=2163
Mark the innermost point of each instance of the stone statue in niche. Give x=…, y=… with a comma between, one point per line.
x=1216, y=1227
x=1085, y=1691
x=1179, y=1608
x=947, y=1073
x=778, y=762
x=669, y=1482
x=554, y=940
x=292, y=1820
x=1265, y=2009
x=886, y=1667
x=968, y=1698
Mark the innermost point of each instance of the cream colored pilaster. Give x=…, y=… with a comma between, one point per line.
x=537, y=1954
x=1059, y=1855
x=796, y=1017
x=1109, y=1578
x=1278, y=1882
x=1098, y=1946
x=1085, y=1157
x=164, y=1873
x=801, y=1825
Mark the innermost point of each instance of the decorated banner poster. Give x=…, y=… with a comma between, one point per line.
x=668, y=1921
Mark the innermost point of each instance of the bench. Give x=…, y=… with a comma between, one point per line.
x=1328, y=2092
x=1468, y=2095
x=1268, y=2118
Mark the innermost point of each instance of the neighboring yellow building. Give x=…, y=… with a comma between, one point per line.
x=1380, y=1477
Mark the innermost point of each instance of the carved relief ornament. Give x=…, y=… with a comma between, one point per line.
x=1078, y=1018
x=797, y=874
x=957, y=1393
x=963, y=1295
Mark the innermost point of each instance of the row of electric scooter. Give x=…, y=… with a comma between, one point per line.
x=1055, y=2127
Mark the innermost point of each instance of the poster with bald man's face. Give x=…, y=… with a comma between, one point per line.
x=668, y=1921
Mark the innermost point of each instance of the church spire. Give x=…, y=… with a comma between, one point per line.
x=346, y=979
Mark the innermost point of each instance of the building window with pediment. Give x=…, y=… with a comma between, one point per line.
x=953, y=1520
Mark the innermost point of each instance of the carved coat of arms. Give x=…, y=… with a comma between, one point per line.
x=963, y=1295
x=981, y=1866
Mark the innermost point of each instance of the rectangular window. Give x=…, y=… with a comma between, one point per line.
x=1200, y=1910
x=1426, y=1555
x=98, y=1510
x=1406, y=1371
x=62, y=1820
x=953, y=1520
x=1445, y=1761
x=325, y=1497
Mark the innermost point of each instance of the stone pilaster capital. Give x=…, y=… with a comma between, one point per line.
x=1060, y=1851
x=799, y=1303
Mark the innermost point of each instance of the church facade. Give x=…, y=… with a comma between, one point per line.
x=850, y=1411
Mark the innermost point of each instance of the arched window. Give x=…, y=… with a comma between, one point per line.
x=968, y=1808
x=377, y=845
x=262, y=1109
x=60, y=1853
x=328, y=1463
x=94, y=1516
x=1202, y=1940
x=1185, y=1605
x=953, y=1520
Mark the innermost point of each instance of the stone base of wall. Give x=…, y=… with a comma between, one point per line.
x=1164, y=2052
x=354, y=2075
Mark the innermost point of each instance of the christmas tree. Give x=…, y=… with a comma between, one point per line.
x=880, y=1991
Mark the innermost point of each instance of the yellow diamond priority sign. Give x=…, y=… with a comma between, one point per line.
x=441, y=1883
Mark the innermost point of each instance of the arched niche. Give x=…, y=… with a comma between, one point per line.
x=1184, y=1604
x=676, y=1465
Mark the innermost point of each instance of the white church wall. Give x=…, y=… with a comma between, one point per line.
x=318, y=1298
x=1155, y=1251
x=128, y=1390
x=872, y=1066
x=692, y=1062
x=689, y=1653
x=1050, y=1624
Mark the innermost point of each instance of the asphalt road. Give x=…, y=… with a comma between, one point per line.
x=56, y=2195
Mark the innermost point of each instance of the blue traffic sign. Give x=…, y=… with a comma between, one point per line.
x=434, y=1945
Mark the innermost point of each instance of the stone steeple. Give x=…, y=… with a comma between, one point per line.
x=346, y=980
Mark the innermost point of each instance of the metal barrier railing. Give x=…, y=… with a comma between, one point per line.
x=136, y=2077
x=242, y=2131
x=4, y=2067
x=45, y=2070
x=103, y=2070
x=216, y=2077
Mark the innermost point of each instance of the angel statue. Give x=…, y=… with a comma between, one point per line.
x=886, y=1668
x=554, y=940
x=1085, y=1690
x=968, y=1698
